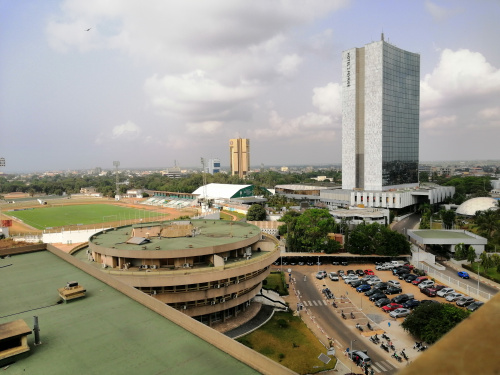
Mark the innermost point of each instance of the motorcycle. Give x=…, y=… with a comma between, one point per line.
x=358, y=326
x=422, y=348
x=396, y=356
x=343, y=315
x=385, y=347
x=403, y=354
x=392, y=346
x=352, y=315
x=369, y=326
x=334, y=304
x=374, y=339
x=384, y=336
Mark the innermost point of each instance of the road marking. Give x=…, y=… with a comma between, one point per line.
x=325, y=303
x=379, y=364
x=314, y=302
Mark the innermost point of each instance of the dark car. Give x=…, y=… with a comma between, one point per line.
x=475, y=305
x=360, y=272
x=350, y=272
x=344, y=263
x=402, y=276
x=382, y=302
x=393, y=290
x=335, y=263
x=409, y=278
x=428, y=301
x=372, y=292
x=401, y=298
x=411, y=304
x=301, y=263
x=430, y=292
x=363, y=288
x=418, y=272
x=356, y=283
x=381, y=285
x=377, y=296
x=310, y=263
x=400, y=271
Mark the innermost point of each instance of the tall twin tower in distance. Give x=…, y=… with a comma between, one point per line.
x=380, y=117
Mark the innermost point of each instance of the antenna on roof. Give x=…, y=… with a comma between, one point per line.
x=382, y=36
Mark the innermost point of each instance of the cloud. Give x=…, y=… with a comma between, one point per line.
x=204, y=128
x=441, y=124
x=440, y=13
x=289, y=64
x=460, y=75
x=196, y=96
x=124, y=132
x=328, y=99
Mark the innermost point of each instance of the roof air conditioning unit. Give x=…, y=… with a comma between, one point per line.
x=249, y=257
x=234, y=295
x=186, y=265
x=154, y=266
x=225, y=259
x=153, y=292
x=227, y=284
x=222, y=300
x=212, y=302
x=218, y=286
x=237, y=281
x=184, y=307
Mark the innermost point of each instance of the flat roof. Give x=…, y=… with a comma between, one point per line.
x=432, y=233
x=211, y=233
x=104, y=333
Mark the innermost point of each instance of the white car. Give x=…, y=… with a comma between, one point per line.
x=426, y=284
x=350, y=279
x=333, y=276
x=394, y=283
x=443, y=292
x=373, y=281
x=453, y=296
x=398, y=313
x=383, y=267
x=321, y=275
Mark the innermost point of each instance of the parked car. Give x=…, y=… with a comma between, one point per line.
x=402, y=276
x=351, y=272
x=377, y=296
x=394, y=283
x=426, y=284
x=335, y=263
x=393, y=290
x=383, y=267
x=381, y=285
x=452, y=297
x=382, y=302
x=419, y=279
x=369, y=272
x=409, y=278
x=392, y=306
x=428, y=301
x=443, y=292
x=399, y=313
x=374, y=280
x=310, y=263
x=373, y=291
x=402, y=298
x=321, y=275
x=350, y=279
x=475, y=305
x=356, y=283
x=463, y=274
x=464, y=301
x=411, y=304
x=341, y=272
x=344, y=263
x=333, y=276
x=430, y=292
x=360, y=272
x=363, y=288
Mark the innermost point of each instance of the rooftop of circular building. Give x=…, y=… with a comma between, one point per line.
x=471, y=206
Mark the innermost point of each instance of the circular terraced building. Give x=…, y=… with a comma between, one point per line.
x=208, y=269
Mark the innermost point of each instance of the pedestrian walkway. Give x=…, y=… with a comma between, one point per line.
x=315, y=303
x=265, y=313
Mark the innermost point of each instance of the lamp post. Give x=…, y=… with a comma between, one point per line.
x=478, y=278
x=352, y=342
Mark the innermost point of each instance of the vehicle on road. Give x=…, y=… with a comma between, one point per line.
x=391, y=307
x=321, y=275
x=445, y=291
x=333, y=276
x=399, y=313
x=463, y=274
x=369, y=272
x=464, y=301
x=382, y=302
x=475, y=305
x=426, y=284
x=377, y=296
x=363, y=288
x=361, y=356
x=452, y=297
x=393, y=290
x=411, y=304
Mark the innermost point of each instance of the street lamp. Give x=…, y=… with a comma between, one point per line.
x=478, y=278
x=352, y=342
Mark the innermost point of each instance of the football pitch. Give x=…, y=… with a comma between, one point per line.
x=69, y=215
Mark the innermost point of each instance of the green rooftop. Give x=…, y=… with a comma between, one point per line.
x=210, y=233
x=105, y=332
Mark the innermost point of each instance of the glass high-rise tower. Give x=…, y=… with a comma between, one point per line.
x=380, y=117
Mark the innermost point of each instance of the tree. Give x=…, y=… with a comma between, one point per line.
x=431, y=321
x=256, y=213
x=448, y=218
x=471, y=254
x=488, y=222
x=460, y=251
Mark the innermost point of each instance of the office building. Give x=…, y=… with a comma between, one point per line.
x=213, y=166
x=380, y=117
x=239, y=156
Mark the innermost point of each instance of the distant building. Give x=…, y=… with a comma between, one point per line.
x=239, y=156
x=213, y=166
x=380, y=117
x=173, y=172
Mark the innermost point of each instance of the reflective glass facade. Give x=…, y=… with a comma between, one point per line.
x=400, y=116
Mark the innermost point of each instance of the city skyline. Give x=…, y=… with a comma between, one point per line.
x=86, y=82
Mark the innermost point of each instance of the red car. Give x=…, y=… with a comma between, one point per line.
x=391, y=307
x=369, y=272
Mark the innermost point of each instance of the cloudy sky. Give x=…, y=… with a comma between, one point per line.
x=86, y=82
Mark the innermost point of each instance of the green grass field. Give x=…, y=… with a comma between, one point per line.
x=60, y=216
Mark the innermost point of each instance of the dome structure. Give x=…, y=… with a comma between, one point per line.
x=471, y=206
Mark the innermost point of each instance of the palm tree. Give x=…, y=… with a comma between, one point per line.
x=488, y=222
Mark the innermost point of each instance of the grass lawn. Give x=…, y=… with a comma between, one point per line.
x=59, y=216
x=275, y=281
x=287, y=340
x=492, y=273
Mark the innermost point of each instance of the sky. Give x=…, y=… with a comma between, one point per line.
x=153, y=83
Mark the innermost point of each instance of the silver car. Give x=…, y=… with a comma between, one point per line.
x=445, y=291
x=452, y=297
x=399, y=313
